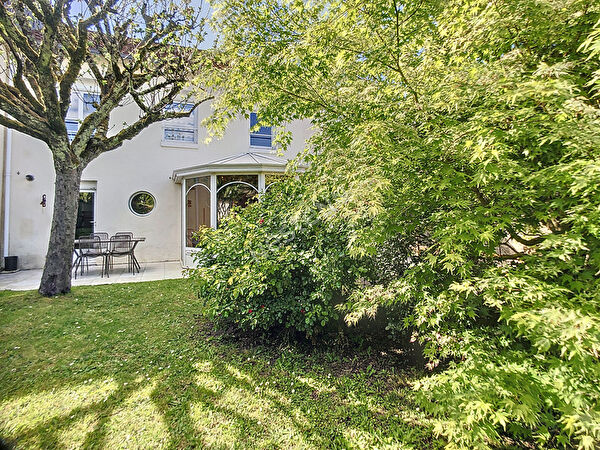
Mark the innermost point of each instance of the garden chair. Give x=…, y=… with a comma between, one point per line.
x=90, y=247
x=121, y=245
x=103, y=237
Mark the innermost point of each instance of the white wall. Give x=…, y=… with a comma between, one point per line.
x=3, y=136
x=140, y=164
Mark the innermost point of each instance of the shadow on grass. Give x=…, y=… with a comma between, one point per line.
x=124, y=366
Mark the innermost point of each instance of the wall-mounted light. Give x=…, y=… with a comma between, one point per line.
x=43, y=202
x=29, y=177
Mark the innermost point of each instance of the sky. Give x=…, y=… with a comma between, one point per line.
x=79, y=5
x=210, y=34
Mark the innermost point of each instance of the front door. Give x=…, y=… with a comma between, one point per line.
x=85, y=214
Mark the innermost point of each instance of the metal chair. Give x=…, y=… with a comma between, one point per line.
x=81, y=246
x=130, y=260
x=135, y=265
x=102, y=235
x=89, y=248
x=121, y=245
x=103, y=246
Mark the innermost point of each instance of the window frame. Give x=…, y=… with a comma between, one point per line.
x=79, y=93
x=259, y=135
x=181, y=144
x=142, y=191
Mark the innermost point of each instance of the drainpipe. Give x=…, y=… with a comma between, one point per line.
x=7, y=161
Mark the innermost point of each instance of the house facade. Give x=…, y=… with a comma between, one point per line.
x=163, y=185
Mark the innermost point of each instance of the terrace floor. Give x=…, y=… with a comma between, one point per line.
x=25, y=280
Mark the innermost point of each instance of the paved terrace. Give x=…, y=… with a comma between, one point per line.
x=25, y=280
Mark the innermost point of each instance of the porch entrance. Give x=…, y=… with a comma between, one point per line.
x=210, y=191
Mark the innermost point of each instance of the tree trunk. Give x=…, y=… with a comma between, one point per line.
x=56, y=278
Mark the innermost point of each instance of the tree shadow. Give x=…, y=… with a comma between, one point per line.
x=281, y=406
x=206, y=392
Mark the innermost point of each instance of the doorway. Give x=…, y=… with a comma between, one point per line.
x=85, y=214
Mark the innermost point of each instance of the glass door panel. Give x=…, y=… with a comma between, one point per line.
x=197, y=212
x=232, y=195
x=85, y=214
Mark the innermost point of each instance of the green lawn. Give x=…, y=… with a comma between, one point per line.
x=128, y=366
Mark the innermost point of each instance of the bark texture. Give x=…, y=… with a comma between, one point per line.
x=56, y=278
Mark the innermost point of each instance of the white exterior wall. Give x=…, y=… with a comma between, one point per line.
x=140, y=164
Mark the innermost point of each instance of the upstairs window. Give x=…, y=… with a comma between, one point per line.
x=182, y=130
x=82, y=105
x=88, y=103
x=262, y=137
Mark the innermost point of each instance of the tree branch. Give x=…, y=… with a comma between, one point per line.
x=77, y=57
x=522, y=240
x=10, y=32
x=146, y=120
x=19, y=82
x=18, y=126
x=19, y=110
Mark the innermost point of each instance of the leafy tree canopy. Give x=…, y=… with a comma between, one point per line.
x=474, y=126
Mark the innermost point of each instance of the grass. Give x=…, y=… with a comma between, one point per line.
x=129, y=366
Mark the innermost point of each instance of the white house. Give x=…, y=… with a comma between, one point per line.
x=162, y=185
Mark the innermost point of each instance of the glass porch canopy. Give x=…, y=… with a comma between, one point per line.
x=209, y=191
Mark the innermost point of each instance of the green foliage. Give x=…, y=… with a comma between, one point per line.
x=263, y=268
x=472, y=130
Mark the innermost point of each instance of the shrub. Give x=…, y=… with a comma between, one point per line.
x=263, y=268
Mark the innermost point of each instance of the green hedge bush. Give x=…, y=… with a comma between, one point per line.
x=263, y=268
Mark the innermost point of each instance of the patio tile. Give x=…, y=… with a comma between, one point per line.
x=30, y=279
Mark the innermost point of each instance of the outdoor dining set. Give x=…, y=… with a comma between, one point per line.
x=100, y=245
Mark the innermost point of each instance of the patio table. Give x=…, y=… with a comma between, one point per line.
x=104, y=244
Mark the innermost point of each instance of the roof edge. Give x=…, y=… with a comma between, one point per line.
x=224, y=166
